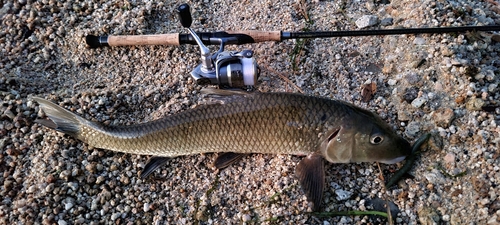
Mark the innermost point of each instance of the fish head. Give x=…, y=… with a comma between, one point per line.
x=364, y=138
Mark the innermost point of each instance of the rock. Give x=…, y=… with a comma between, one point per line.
x=428, y=216
x=366, y=21
x=343, y=195
x=449, y=158
x=443, y=117
x=411, y=94
x=246, y=218
x=418, y=102
x=412, y=129
x=404, y=115
x=419, y=41
x=386, y=22
x=474, y=104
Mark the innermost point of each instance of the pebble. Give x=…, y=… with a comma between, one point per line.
x=419, y=41
x=443, y=117
x=412, y=129
x=68, y=206
x=411, y=94
x=428, y=216
x=449, y=158
x=418, y=102
x=366, y=21
x=343, y=195
x=115, y=216
x=146, y=207
x=386, y=22
x=392, y=82
x=474, y=104
x=246, y=218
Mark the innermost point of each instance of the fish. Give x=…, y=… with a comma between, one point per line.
x=238, y=123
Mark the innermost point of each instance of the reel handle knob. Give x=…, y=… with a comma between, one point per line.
x=184, y=13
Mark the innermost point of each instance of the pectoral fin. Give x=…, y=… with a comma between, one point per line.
x=311, y=175
x=153, y=164
x=227, y=158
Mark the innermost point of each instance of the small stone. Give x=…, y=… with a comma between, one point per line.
x=392, y=82
x=115, y=216
x=73, y=186
x=418, y=102
x=366, y=21
x=146, y=207
x=100, y=179
x=49, y=188
x=428, y=216
x=61, y=222
x=412, y=78
x=404, y=115
x=246, y=218
x=419, y=41
x=68, y=206
x=443, y=117
x=449, y=158
x=412, y=129
x=91, y=167
x=411, y=94
x=343, y=195
x=9, y=114
x=386, y=22
x=474, y=104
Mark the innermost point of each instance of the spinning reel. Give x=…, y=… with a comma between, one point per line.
x=223, y=68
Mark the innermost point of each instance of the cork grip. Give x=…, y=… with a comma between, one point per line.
x=260, y=36
x=154, y=39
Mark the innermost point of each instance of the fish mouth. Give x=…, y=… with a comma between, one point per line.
x=395, y=160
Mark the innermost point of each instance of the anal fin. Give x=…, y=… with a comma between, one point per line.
x=153, y=164
x=227, y=158
x=311, y=175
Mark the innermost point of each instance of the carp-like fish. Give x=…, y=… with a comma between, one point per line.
x=268, y=123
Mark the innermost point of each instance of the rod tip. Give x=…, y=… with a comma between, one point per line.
x=95, y=41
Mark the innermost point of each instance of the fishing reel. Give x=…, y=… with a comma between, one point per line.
x=223, y=68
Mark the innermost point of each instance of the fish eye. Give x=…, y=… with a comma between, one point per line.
x=376, y=139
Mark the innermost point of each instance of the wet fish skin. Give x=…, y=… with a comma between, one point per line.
x=269, y=123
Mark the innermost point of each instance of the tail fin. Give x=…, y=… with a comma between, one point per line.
x=61, y=119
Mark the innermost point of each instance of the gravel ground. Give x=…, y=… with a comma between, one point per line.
x=445, y=84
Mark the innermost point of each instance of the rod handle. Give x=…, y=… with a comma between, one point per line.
x=260, y=36
x=152, y=39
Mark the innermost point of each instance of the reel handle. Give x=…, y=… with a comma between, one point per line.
x=184, y=13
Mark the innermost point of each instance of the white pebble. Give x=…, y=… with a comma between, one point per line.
x=366, y=21
x=115, y=216
x=343, y=195
x=246, y=217
x=68, y=206
x=419, y=102
x=419, y=41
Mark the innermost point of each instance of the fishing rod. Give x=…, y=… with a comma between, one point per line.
x=254, y=36
x=238, y=69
